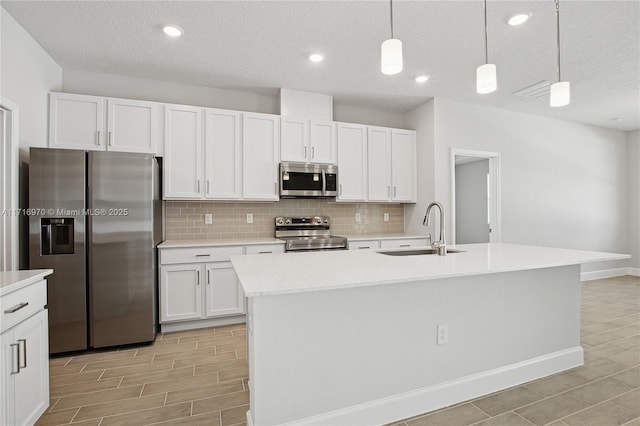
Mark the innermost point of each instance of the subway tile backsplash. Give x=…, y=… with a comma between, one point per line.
x=185, y=219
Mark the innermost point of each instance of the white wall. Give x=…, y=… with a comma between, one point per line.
x=27, y=74
x=633, y=164
x=420, y=119
x=362, y=115
x=564, y=184
x=471, y=202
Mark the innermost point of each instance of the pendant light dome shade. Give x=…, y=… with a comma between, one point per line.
x=486, y=80
x=560, y=94
x=391, y=56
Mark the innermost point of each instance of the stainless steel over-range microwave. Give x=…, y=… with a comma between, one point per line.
x=308, y=180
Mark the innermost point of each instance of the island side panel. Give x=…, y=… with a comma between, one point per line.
x=316, y=352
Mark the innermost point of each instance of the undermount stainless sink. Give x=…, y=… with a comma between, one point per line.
x=416, y=252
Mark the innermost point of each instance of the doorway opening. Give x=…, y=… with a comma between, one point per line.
x=8, y=185
x=475, y=197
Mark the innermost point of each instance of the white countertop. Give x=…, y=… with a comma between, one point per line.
x=220, y=242
x=366, y=237
x=14, y=280
x=272, y=274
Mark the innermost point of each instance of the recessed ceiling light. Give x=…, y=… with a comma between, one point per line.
x=316, y=57
x=173, y=30
x=519, y=19
x=422, y=78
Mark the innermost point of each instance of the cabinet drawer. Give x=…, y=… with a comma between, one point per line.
x=364, y=245
x=202, y=254
x=265, y=248
x=21, y=304
x=409, y=242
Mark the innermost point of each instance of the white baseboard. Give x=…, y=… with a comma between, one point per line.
x=609, y=273
x=408, y=404
x=169, y=327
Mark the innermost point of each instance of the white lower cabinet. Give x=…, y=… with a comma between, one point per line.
x=24, y=364
x=223, y=292
x=181, y=296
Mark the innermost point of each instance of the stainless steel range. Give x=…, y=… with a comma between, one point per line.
x=308, y=234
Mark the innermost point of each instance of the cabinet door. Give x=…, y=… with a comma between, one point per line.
x=322, y=142
x=132, y=126
x=223, y=292
x=32, y=383
x=294, y=140
x=403, y=165
x=260, y=155
x=352, y=162
x=222, y=154
x=379, y=163
x=76, y=122
x=183, y=152
x=7, y=372
x=180, y=292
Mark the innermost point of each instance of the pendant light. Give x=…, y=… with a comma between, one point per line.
x=391, y=52
x=560, y=94
x=486, y=81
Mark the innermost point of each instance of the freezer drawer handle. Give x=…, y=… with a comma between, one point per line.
x=16, y=308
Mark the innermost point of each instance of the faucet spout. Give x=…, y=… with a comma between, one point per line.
x=441, y=244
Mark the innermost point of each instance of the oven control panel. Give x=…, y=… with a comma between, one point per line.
x=303, y=222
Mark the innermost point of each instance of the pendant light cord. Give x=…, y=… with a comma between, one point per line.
x=558, y=34
x=391, y=8
x=486, y=30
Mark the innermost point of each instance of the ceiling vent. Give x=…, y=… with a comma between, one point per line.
x=536, y=90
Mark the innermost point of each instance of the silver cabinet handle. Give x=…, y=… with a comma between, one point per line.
x=363, y=247
x=208, y=187
x=388, y=191
x=98, y=138
x=313, y=152
x=110, y=138
x=16, y=308
x=197, y=277
x=340, y=189
x=275, y=187
x=203, y=255
x=17, y=358
x=208, y=276
x=198, y=185
x=24, y=343
x=264, y=252
x=305, y=152
x=405, y=245
x=395, y=191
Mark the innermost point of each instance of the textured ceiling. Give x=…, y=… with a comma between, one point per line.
x=262, y=46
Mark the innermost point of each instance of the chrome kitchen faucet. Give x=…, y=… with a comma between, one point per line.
x=441, y=244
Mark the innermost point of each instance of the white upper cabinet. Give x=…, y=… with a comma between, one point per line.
x=76, y=122
x=183, y=152
x=379, y=166
x=222, y=140
x=403, y=165
x=352, y=162
x=260, y=156
x=322, y=142
x=307, y=141
x=294, y=140
x=132, y=126
x=98, y=124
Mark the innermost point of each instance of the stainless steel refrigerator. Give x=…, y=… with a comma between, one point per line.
x=96, y=219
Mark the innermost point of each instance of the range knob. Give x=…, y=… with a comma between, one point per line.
x=318, y=220
x=326, y=221
x=279, y=221
x=288, y=221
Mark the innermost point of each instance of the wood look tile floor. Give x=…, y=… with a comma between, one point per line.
x=199, y=377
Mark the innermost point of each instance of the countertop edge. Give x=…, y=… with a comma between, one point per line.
x=38, y=275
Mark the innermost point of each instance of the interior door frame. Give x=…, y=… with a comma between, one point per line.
x=495, y=236
x=9, y=191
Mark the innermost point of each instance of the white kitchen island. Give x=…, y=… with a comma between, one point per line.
x=350, y=338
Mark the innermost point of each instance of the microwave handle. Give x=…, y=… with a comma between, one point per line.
x=324, y=183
